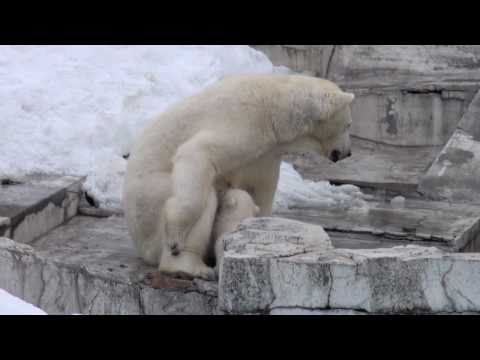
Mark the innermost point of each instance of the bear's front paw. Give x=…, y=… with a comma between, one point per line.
x=206, y=273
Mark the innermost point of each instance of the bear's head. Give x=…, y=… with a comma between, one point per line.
x=333, y=132
x=319, y=119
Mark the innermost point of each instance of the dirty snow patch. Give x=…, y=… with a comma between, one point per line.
x=295, y=192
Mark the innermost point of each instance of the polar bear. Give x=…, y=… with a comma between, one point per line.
x=231, y=135
x=234, y=206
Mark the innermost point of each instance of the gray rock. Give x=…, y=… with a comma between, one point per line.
x=405, y=118
x=470, y=122
x=365, y=66
x=455, y=175
x=312, y=59
x=429, y=66
x=89, y=266
x=405, y=279
x=409, y=95
x=37, y=204
x=298, y=311
x=249, y=250
x=430, y=223
x=276, y=237
x=371, y=165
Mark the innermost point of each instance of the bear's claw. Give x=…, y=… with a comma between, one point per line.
x=174, y=249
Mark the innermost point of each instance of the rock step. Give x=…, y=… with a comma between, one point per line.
x=34, y=205
x=453, y=227
x=89, y=266
x=372, y=166
x=277, y=272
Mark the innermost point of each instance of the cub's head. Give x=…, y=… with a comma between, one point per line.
x=237, y=203
x=234, y=206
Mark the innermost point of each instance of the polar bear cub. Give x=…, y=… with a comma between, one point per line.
x=235, y=206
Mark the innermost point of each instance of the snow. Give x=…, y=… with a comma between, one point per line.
x=76, y=109
x=295, y=192
x=11, y=305
x=398, y=202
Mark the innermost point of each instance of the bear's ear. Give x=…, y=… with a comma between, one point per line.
x=334, y=101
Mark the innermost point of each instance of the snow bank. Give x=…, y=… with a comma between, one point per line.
x=11, y=305
x=75, y=109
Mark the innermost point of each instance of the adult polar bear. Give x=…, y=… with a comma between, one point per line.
x=231, y=135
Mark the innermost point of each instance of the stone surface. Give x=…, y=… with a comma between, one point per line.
x=376, y=240
x=455, y=174
x=271, y=266
x=366, y=66
x=313, y=59
x=470, y=122
x=410, y=95
x=5, y=226
x=449, y=66
x=278, y=236
x=267, y=238
x=299, y=311
x=89, y=266
x=37, y=204
x=406, y=279
x=371, y=165
x=432, y=223
x=406, y=118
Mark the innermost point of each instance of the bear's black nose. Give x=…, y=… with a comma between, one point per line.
x=335, y=156
x=174, y=249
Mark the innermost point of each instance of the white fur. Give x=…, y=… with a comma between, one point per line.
x=235, y=206
x=231, y=135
